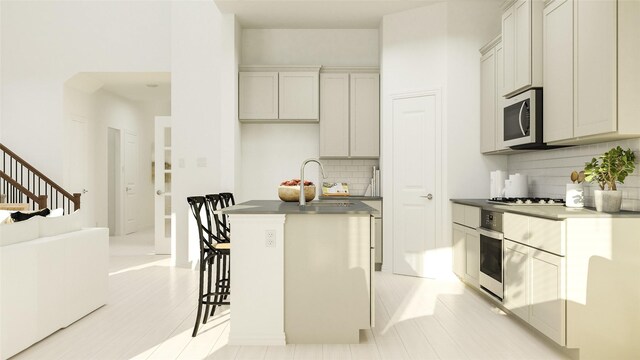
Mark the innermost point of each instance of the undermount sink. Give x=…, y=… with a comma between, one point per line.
x=330, y=203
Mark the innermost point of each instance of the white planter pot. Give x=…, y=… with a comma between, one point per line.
x=608, y=201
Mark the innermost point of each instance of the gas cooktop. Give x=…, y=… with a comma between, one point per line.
x=527, y=201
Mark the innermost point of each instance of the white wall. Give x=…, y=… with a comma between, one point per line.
x=272, y=153
x=197, y=154
x=44, y=43
x=328, y=47
x=436, y=48
x=105, y=110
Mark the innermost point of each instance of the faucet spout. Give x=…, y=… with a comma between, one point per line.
x=302, y=201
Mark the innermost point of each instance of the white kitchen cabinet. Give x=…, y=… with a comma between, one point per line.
x=516, y=273
x=534, y=280
x=377, y=224
x=491, y=83
x=591, y=55
x=596, y=86
x=459, y=250
x=364, y=139
x=349, y=114
x=334, y=114
x=558, y=71
x=298, y=95
x=522, y=42
x=258, y=95
x=548, y=294
x=277, y=93
x=466, y=243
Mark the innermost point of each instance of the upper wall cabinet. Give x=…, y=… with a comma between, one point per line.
x=286, y=94
x=258, y=98
x=491, y=82
x=349, y=113
x=591, y=84
x=522, y=44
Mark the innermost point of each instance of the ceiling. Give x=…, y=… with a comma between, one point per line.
x=131, y=85
x=314, y=14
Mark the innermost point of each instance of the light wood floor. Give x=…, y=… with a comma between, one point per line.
x=151, y=311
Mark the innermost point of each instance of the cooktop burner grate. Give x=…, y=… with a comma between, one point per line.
x=527, y=201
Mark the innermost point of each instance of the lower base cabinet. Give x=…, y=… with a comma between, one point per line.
x=534, y=283
x=466, y=254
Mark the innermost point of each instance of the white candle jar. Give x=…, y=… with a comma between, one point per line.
x=575, y=196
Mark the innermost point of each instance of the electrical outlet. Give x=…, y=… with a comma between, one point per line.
x=270, y=238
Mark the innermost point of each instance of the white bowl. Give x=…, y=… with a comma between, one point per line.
x=292, y=193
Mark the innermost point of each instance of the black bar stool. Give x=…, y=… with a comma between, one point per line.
x=212, y=251
x=227, y=200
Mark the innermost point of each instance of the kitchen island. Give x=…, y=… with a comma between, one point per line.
x=300, y=274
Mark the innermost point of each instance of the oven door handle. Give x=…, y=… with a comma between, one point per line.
x=490, y=233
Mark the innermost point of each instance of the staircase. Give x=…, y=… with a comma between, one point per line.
x=23, y=183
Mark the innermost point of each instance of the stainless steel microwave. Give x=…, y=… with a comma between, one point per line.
x=523, y=121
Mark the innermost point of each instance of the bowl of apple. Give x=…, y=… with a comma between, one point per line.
x=289, y=190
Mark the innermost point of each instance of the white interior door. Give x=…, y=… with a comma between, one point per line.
x=162, y=175
x=414, y=183
x=78, y=169
x=131, y=182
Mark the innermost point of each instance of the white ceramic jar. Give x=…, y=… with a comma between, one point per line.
x=575, y=196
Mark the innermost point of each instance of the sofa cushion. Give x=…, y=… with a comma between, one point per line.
x=56, y=212
x=52, y=226
x=20, y=231
x=22, y=216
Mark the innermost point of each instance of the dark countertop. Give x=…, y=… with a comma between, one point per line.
x=351, y=197
x=545, y=211
x=355, y=207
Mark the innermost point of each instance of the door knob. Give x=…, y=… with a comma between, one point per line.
x=159, y=192
x=428, y=196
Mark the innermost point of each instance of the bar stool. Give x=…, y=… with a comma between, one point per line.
x=227, y=200
x=212, y=251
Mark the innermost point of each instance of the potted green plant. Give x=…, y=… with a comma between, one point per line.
x=608, y=169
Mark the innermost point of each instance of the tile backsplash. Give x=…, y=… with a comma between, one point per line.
x=357, y=173
x=549, y=171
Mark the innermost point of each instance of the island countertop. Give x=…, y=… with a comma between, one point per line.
x=334, y=207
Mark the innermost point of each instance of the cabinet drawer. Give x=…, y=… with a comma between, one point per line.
x=466, y=215
x=457, y=214
x=547, y=235
x=516, y=227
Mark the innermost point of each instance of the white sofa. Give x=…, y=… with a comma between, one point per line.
x=52, y=273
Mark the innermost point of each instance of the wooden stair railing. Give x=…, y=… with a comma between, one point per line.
x=23, y=183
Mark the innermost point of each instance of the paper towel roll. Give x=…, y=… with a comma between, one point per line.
x=497, y=183
x=517, y=186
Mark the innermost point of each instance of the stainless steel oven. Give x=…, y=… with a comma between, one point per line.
x=491, y=237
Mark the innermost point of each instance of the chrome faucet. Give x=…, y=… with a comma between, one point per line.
x=302, y=200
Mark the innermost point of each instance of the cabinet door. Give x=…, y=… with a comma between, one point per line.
x=298, y=96
x=499, y=99
x=488, y=102
x=547, y=311
x=334, y=115
x=258, y=96
x=459, y=251
x=558, y=71
x=595, y=67
x=522, y=13
x=472, y=245
x=365, y=115
x=509, y=48
x=516, y=275
x=377, y=222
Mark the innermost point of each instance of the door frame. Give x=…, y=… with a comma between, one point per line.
x=440, y=198
x=118, y=188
